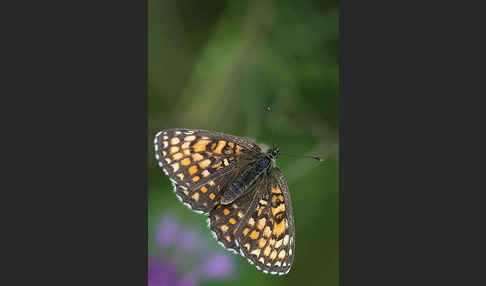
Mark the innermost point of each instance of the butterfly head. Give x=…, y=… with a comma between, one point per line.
x=273, y=153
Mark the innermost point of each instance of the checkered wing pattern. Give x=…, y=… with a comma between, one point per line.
x=266, y=233
x=224, y=220
x=199, y=163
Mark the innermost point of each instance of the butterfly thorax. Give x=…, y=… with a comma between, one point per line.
x=252, y=173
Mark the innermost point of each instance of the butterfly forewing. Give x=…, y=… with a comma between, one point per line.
x=200, y=162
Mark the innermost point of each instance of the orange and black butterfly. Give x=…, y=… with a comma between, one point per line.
x=238, y=186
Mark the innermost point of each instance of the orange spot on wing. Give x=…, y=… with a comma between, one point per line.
x=186, y=162
x=238, y=149
x=205, y=173
x=204, y=189
x=217, y=165
x=267, y=232
x=262, y=242
x=245, y=231
x=279, y=228
x=204, y=164
x=254, y=234
x=261, y=223
x=211, y=196
x=193, y=169
x=196, y=157
x=200, y=145
x=219, y=148
x=278, y=209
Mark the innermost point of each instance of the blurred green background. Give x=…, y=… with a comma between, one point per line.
x=216, y=65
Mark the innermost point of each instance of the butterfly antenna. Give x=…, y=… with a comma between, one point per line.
x=304, y=156
x=269, y=109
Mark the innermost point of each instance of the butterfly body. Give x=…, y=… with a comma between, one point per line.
x=251, y=174
x=238, y=186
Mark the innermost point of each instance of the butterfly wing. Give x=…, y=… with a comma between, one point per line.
x=224, y=220
x=199, y=163
x=265, y=235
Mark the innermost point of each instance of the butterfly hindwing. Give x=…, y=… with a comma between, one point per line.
x=203, y=198
x=223, y=221
x=266, y=235
x=199, y=163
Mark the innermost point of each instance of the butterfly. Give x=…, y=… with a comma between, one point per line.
x=238, y=185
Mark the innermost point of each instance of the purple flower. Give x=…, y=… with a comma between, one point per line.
x=160, y=274
x=218, y=266
x=187, y=239
x=167, y=232
x=192, y=261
